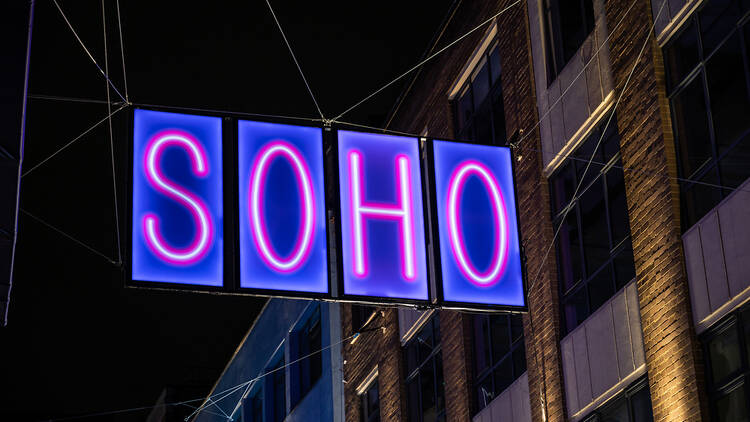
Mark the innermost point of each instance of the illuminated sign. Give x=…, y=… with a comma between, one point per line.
x=476, y=225
x=177, y=226
x=282, y=218
x=382, y=218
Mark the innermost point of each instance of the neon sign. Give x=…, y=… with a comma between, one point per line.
x=476, y=226
x=382, y=220
x=283, y=242
x=177, y=199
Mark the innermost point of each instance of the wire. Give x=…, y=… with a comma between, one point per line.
x=239, y=113
x=110, y=260
x=289, y=46
x=74, y=140
x=87, y=51
x=68, y=99
x=122, y=53
x=111, y=140
x=418, y=65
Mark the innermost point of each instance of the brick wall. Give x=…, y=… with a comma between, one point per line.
x=672, y=351
x=374, y=348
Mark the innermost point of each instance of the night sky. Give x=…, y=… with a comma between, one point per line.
x=78, y=341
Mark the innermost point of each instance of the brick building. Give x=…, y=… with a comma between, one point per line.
x=630, y=125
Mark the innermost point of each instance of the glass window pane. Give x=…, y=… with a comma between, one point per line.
x=727, y=89
x=440, y=382
x=624, y=266
x=594, y=228
x=562, y=186
x=495, y=63
x=503, y=375
x=735, y=165
x=641, y=405
x=699, y=199
x=483, y=124
x=412, y=357
x=611, y=142
x=516, y=327
x=618, y=412
x=576, y=21
x=691, y=127
x=724, y=352
x=733, y=406
x=464, y=107
x=576, y=309
x=717, y=19
x=681, y=56
x=427, y=385
x=746, y=324
x=601, y=288
x=500, y=337
x=412, y=389
x=480, y=84
x=485, y=392
x=481, y=344
x=425, y=342
x=498, y=116
x=569, y=251
x=519, y=361
x=618, y=206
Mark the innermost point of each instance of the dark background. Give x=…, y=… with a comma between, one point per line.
x=78, y=341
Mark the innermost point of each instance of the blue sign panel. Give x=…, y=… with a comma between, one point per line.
x=177, y=230
x=283, y=242
x=477, y=227
x=382, y=219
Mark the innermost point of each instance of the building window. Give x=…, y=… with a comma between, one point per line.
x=424, y=374
x=499, y=355
x=567, y=24
x=708, y=79
x=727, y=350
x=370, y=403
x=479, y=113
x=594, y=251
x=634, y=405
x=306, y=344
x=252, y=408
x=276, y=392
x=360, y=315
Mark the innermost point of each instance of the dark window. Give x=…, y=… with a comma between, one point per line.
x=726, y=347
x=709, y=92
x=425, y=388
x=479, y=113
x=360, y=315
x=252, y=408
x=306, y=342
x=276, y=392
x=499, y=355
x=567, y=24
x=594, y=251
x=634, y=405
x=370, y=403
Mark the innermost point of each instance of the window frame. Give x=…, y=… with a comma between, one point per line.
x=364, y=410
x=488, y=372
x=631, y=391
x=305, y=373
x=432, y=358
x=583, y=284
x=711, y=166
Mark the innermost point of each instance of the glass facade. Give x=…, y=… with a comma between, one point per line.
x=708, y=82
x=499, y=355
x=594, y=250
x=425, y=387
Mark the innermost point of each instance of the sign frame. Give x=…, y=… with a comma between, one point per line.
x=435, y=237
x=336, y=186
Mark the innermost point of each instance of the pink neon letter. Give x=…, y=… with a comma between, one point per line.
x=204, y=227
x=302, y=246
x=401, y=212
x=500, y=248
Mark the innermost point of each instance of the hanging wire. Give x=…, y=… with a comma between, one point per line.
x=289, y=46
x=106, y=76
x=74, y=140
x=111, y=140
x=432, y=56
x=66, y=99
x=215, y=111
x=81, y=243
x=122, y=52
